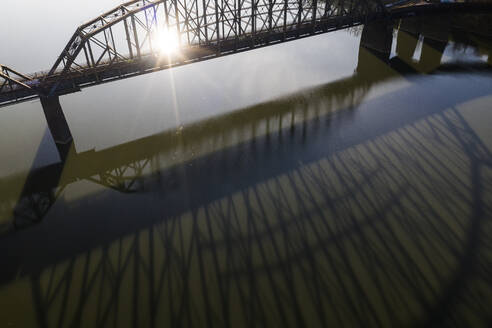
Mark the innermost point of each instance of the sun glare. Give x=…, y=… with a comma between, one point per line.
x=167, y=42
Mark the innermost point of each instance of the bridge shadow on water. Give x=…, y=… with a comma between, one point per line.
x=332, y=207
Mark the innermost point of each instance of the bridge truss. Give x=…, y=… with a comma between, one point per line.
x=132, y=38
x=129, y=39
x=16, y=84
x=131, y=30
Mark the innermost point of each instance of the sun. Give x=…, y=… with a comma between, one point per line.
x=166, y=41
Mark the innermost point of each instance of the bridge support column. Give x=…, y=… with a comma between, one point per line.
x=432, y=52
x=407, y=40
x=436, y=36
x=57, y=125
x=378, y=38
x=375, y=51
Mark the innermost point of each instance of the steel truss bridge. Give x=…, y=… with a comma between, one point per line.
x=376, y=43
x=429, y=225
x=124, y=41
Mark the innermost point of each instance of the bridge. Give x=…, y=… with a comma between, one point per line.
x=451, y=239
x=143, y=36
x=124, y=167
x=72, y=269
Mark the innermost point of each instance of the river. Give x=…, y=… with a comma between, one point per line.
x=344, y=179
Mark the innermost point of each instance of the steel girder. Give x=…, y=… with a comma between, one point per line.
x=11, y=80
x=15, y=86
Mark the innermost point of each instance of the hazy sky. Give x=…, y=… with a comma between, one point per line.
x=33, y=32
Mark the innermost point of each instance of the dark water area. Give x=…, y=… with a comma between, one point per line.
x=351, y=188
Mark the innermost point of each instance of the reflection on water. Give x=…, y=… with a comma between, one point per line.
x=335, y=206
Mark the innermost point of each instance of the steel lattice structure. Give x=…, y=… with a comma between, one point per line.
x=12, y=80
x=15, y=84
x=124, y=41
x=319, y=248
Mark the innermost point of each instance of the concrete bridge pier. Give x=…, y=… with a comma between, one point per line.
x=436, y=36
x=375, y=51
x=432, y=52
x=378, y=38
x=408, y=37
x=57, y=124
